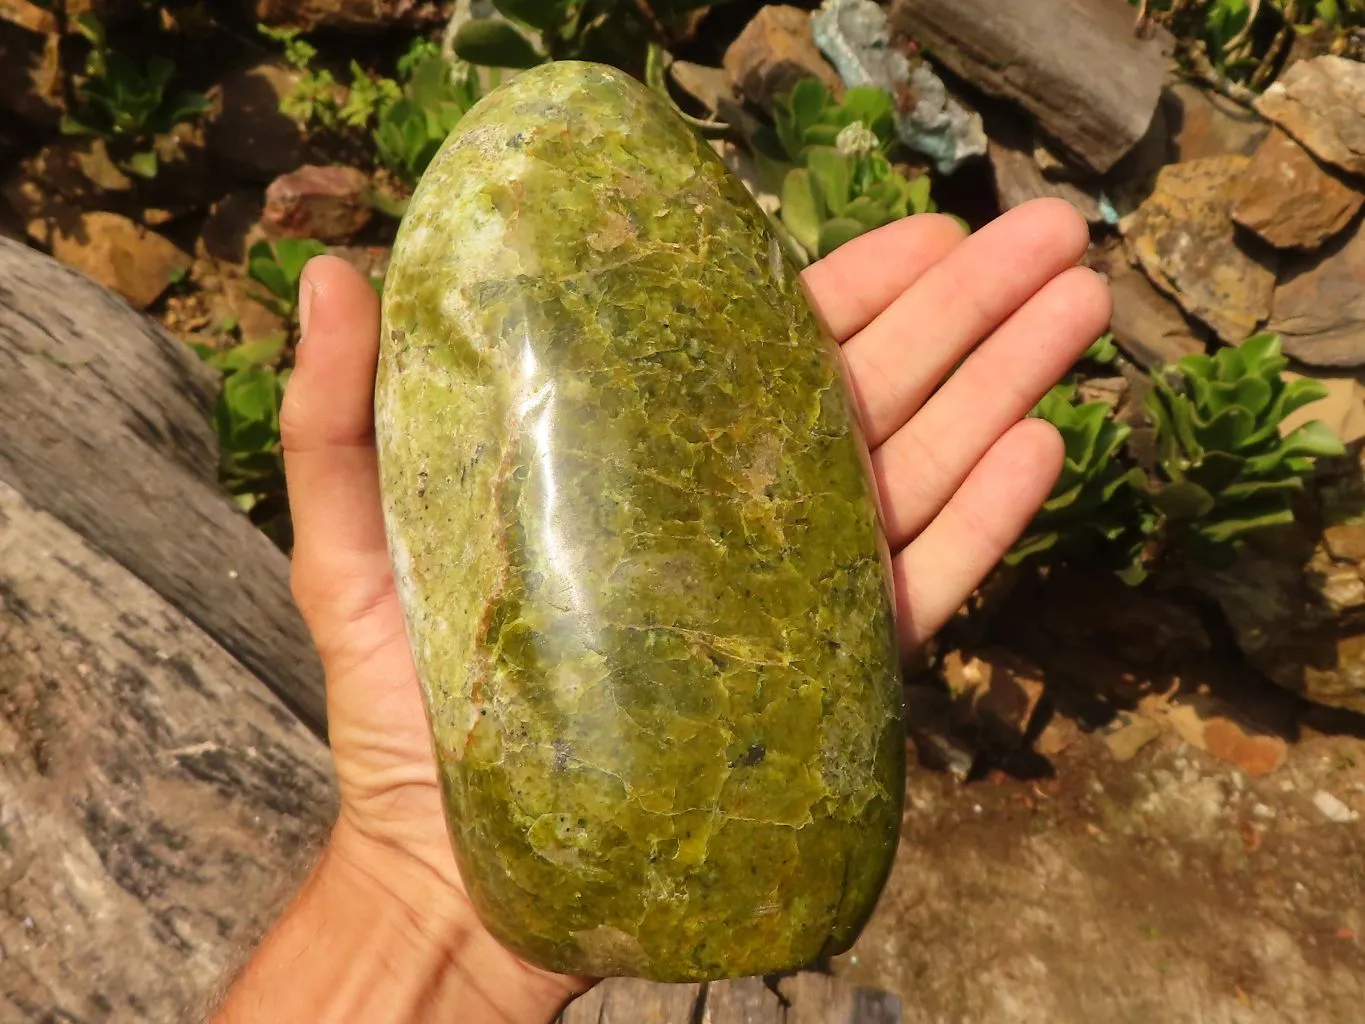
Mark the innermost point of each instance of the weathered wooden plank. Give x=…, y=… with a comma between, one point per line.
x=156, y=802
x=809, y=999
x=105, y=424
x=743, y=1001
x=632, y=1001
x=1075, y=65
x=821, y=999
x=587, y=1008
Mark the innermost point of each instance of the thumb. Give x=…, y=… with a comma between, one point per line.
x=341, y=568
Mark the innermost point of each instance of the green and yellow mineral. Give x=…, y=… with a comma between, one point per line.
x=637, y=547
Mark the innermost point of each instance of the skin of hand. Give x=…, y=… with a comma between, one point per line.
x=948, y=340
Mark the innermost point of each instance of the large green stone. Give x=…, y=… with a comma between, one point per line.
x=637, y=547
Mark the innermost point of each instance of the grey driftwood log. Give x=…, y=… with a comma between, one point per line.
x=1076, y=65
x=156, y=801
x=105, y=423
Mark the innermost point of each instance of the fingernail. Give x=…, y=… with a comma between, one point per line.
x=305, y=303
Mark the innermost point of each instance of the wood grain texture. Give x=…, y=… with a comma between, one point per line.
x=105, y=424
x=805, y=998
x=157, y=804
x=1076, y=65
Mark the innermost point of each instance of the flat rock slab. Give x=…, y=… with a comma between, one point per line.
x=1075, y=65
x=1319, y=305
x=1184, y=237
x=1321, y=102
x=1290, y=199
x=1205, y=123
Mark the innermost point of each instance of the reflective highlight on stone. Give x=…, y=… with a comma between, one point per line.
x=637, y=548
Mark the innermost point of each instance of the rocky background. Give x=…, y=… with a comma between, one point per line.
x=1128, y=799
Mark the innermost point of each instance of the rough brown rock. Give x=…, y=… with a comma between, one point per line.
x=28, y=16
x=709, y=86
x=1297, y=611
x=1076, y=65
x=107, y=247
x=30, y=79
x=1146, y=324
x=773, y=53
x=326, y=203
x=1321, y=102
x=345, y=15
x=1319, y=305
x=246, y=130
x=1290, y=199
x=996, y=694
x=1183, y=236
x=1205, y=123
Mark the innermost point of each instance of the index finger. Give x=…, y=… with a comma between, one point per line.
x=852, y=285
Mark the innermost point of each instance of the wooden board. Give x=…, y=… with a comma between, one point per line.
x=157, y=804
x=805, y=998
x=105, y=424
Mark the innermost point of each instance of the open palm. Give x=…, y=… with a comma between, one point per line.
x=959, y=470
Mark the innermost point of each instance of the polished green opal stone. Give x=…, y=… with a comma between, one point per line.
x=637, y=547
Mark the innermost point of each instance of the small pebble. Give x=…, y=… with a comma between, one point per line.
x=1262, y=811
x=1333, y=809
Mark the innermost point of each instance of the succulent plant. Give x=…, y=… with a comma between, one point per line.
x=1092, y=512
x=809, y=116
x=126, y=101
x=1221, y=467
x=829, y=161
x=434, y=98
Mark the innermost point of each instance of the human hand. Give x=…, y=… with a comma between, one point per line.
x=959, y=471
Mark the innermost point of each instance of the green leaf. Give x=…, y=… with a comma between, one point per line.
x=251, y=398
x=875, y=108
x=268, y=272
x=263, y=352
x=1226, y=431
x=801, y=210
x=538, y=14
x=72, y=125
x=820, y=135
x=917, y=194
x=836, y=232
x=1080, y=439
x=1260, y=349
x=1181, y=500
x=867, y=211
x=1314, y=438
x=143, y=164
x=89, y=26
x=1102, y=350
x=1259, y=518
x=829, y=170
x=495, y=44
x=293, y=255
x=807, y=102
